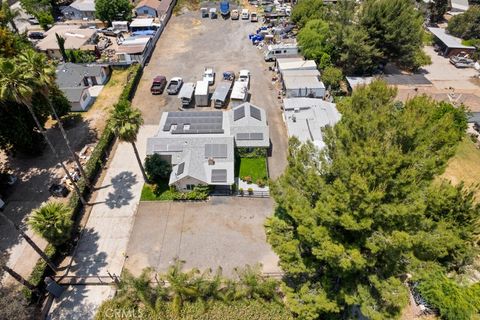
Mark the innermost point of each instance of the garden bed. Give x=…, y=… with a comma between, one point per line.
x=162, y=192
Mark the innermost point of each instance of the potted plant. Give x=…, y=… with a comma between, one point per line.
x=261, y=183
x=240, y=190
x=250, y=191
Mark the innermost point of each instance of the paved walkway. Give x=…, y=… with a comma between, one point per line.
x=102, y=248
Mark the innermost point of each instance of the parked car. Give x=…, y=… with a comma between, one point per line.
x=234, y=14
x=174, y=85
x=244, y=76
x=36, y=35
x=224, y=9
x=253, y=17
x=462, y=61
x=209, y=75
x=58, y=190
x=204, y=12
x=245, y=14
x=33, y=20
x=158, y=85
x=213, y=13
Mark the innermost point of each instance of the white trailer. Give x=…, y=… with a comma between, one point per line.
x=239, y=93
x=220, y=95
x=201, y=94
x=276, y=51
x=186, y=93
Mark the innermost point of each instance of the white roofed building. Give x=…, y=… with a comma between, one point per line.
x=305, y=118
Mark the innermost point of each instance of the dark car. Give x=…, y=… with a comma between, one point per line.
x=158, y=85
x=58, y=190
x=36, y=35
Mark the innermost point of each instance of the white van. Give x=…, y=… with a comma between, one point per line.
x=276, y=51
x=245, y=15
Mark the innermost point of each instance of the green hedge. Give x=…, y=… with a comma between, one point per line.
x=92, y=167
x=37, y=275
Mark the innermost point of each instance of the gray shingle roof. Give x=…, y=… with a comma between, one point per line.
x=72, y=74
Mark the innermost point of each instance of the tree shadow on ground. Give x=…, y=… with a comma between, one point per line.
x=87, y=260
x=121, y=195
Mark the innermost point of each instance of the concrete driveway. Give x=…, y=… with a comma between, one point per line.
x=190, y=43
x=225, y=231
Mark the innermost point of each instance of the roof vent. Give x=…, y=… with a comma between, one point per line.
x=211, y=161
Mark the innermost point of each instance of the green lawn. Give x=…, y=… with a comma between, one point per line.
x=161, y=192
x=253, y=167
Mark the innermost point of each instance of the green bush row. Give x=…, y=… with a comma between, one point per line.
x=92, y=168
x=37, y=275
x=251, y=153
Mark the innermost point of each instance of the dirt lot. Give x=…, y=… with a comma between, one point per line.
x=190, y=43
x=35, y=175
x=226, y=232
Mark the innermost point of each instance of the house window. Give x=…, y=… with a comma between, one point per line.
x=145, y=11
x=190, y=186
x=84, y=97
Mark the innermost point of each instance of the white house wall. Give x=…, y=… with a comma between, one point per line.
x=181, y=184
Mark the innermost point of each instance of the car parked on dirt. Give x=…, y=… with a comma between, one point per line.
x=174, y=85
x=36, y=35
x=158, y=85
x=234, y=15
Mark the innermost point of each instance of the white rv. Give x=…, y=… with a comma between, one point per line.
x=201, y=94
x=280, y=51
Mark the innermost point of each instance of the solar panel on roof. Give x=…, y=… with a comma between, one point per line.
x=194, y=122
x=180, y=168
x=215, y=151
x=255, y=113
x=219, y=175
x=238, y=113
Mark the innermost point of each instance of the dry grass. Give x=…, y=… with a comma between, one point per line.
x=97, y=113
x=464, y=165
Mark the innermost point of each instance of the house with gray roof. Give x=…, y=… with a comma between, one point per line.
x=80, y=10
x=200, y=145
x=306, y=118
x=79, y=82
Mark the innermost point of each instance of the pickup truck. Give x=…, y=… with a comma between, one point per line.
x=209, y=75
x=244, y=76
x=158, y=85
x=174, y=85
x=462, y=62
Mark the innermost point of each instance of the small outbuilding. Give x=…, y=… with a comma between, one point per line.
x=449, y=45
x=303, y=86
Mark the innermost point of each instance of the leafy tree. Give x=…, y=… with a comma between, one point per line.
x=45, y=19
x=396, y=28
x=466, y=25
x=11, y=43
x=80, y=56
x=126, y=122
x=53, y=222
x=306, y=10
x=157, y=168
x=332, y=77
x=313, y=40
x=437, y=10
x=61, y=46
x=110, y=10
x=352, y=219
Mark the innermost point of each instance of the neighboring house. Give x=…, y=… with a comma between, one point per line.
x=80, y=10
x=132, y=49
x=200, y=145
x=75, y=38
x=306, y=117
x=403, y=80
x=284, y=64
x=149, y=8
x=449, y=45
x=77, y=80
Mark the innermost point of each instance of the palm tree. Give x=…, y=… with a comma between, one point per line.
x=18, y=84
x=53, y=222
x=44, y=72
x=126, y=122
x=30, y=242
